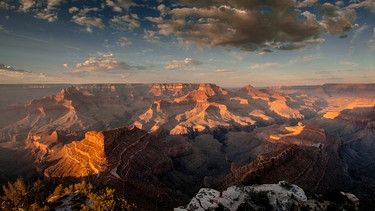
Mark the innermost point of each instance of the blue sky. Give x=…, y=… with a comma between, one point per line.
x=228, y=42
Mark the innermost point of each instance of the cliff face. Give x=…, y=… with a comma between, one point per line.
x=306, y=156
x=80, y=158
x=120, y=153
x=129, y=160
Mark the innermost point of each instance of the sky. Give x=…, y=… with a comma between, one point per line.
x=231, y=43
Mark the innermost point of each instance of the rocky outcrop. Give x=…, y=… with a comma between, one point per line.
x=305, y=161
x=130, y=160
x=280, y=196
x=121, y=152
x=80, y=158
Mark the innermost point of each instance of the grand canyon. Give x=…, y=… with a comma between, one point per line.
x=157, y=145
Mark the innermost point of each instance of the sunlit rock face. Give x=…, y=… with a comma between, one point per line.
x=121, y=152
x=177, y=108
x=130, y=160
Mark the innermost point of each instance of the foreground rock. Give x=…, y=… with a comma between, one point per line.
x=281, y=196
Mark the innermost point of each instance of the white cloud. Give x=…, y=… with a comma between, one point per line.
x=73, y=9
x=53, y=3
x=126, y=22
x=120, y=5
x=268, y=65
x=163, y=9
x=177, y=64
x=302, y=59
x=368, y=4
x=107, y=63
x=89, y=22
x=47, y=15
x=351, y=64
x=155, y=19
x=114, y=6
x=223, y=71
x=25, y=4
x=307, y=3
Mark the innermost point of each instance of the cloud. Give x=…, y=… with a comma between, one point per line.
x=6, y=6
x=163, y=9
x=7, y=68
x=268, y=65
x=123, y=41
x=245, y=25
x=337, y=20
x=73, y=9
x=177, y=64
x=126, y=22
x=25, y=5
x=151, y=36
x=307, y=3
x=89, y=22
x=257, y=24
x=302, y=59
x=107, y=63
x=223, y=71
x=265, y=51
x=236, y=55
x=53, y=3
x=359, y=31
x=46, y=15
x=368, y=4
x=11, y=75
x=372, y=41
x=120, y=5
x=352, y=64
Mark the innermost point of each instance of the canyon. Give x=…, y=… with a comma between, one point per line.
x=158, y=144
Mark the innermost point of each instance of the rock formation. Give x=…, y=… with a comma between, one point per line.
x=318, y=137
x=280, y=196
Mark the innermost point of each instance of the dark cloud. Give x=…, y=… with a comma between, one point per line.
x=337, y=20
x=257, y=24
x=343, y=36
x=265, y=51
x=4, y=67
x=248, y=25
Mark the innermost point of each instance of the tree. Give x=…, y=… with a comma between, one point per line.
x=15, y=194
x=36, y=193
x=104, y=201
